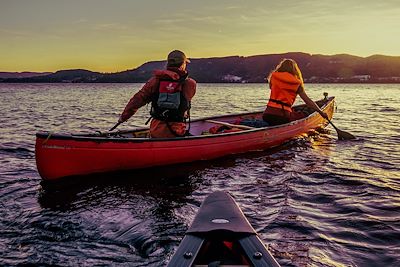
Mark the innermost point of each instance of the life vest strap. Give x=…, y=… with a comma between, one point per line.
x=283, y=105
x=280, y=102
x=165, y=113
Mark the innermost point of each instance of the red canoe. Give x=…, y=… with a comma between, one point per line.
x=61, y=155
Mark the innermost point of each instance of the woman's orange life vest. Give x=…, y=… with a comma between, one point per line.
x=284, y=86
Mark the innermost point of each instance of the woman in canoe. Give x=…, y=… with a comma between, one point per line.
x=169, y=92
x=286, y=82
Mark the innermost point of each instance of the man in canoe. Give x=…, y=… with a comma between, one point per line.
x=286, y=82
x=169, y=91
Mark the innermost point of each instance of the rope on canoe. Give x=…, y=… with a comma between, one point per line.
x=47, y=138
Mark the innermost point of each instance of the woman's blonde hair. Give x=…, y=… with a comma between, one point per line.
x=288, y=65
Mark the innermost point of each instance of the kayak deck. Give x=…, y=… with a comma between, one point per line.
x=220, y=235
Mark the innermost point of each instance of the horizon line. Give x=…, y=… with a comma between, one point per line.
x=196, y=58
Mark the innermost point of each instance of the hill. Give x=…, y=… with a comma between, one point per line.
x=25, y=74
x=253, y=69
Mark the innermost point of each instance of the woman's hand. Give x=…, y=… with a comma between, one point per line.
x=311, y=104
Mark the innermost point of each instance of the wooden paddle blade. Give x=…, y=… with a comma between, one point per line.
x=342, y=135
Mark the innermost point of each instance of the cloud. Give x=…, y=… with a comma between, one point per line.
x=80, y=21
x=14, y=33
x=111, y=27
x=26, y=34
x=233, y=7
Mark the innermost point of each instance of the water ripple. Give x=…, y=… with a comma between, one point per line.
x=315, y=201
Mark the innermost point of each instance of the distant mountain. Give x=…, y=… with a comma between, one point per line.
x=25, y=74
x=253, y=69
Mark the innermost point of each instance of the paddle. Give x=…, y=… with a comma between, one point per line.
x=231, y=125
x=115, y=126
x=342, y=135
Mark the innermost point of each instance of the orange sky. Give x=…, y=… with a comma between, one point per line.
x=109, y=36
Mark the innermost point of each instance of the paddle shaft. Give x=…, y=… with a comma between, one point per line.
x=342, y=135
x=332, y=124
x=231, y=125
x=115, y=126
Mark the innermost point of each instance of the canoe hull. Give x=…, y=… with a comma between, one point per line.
x=70, y=155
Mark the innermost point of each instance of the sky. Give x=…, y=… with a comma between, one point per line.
x=110, y=36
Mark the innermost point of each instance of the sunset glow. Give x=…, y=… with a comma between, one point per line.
x=110, y=36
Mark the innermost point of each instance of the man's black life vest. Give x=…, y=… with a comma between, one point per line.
x=169, y=103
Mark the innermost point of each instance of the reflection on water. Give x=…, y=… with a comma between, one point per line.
x=132, y=208
x=315, y=201
x=161, y=183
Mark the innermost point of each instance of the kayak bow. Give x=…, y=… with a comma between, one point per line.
x=220, y=235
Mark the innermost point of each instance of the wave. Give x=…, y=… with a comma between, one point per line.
x=20, y=152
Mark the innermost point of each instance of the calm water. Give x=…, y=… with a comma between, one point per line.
x=315, y=201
